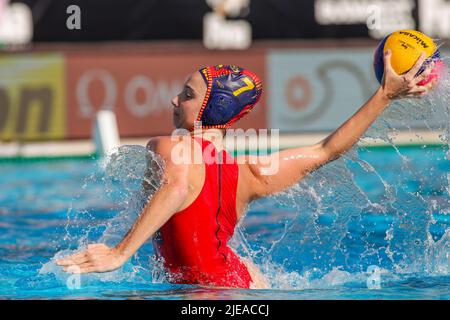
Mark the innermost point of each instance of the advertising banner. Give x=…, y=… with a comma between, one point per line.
x=56, y=96
x=318, y=90
x=32, y=97
x=139, y=88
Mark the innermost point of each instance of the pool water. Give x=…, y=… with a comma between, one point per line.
x=372, y=225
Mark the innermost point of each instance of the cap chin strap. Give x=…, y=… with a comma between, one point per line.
x=198, y=126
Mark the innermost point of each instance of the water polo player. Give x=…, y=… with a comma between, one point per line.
x=195, y=211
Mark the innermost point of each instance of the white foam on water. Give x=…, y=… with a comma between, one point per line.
x=332, y=193
x=329, y=193
x=122, y=179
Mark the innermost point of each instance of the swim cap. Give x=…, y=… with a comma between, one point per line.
x=231, y=93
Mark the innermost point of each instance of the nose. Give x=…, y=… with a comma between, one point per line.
x=175, y=102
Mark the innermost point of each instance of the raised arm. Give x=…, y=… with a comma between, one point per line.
x=165, y=202
x=295, y=163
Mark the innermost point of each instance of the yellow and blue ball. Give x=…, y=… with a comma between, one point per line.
x=406, y=47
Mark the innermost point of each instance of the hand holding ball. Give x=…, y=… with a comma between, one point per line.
x=406, y=47
x=407, y=64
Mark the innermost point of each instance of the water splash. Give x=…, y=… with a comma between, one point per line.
x=109, y=202
x=327, y=227
x=316, y=246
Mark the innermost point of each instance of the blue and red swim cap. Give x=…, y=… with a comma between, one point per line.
x=231, y=93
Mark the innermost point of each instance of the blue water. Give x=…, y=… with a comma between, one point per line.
x=384, y=210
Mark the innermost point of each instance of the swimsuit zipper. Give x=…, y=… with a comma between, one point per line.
x=219, y=168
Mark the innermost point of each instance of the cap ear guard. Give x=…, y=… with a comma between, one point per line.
x=219, y=108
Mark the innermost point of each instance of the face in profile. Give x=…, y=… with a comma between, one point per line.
x=187, y=104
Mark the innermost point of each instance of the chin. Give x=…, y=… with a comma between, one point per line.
x=175, y=121
x=177, y=124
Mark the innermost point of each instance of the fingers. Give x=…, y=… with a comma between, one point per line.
x=76, y=268
x=97, y=258
x=387, y=60
x=412, y=73
x=419, y=91
x=73, y=259
x=95, y=246
x=88, y=270
x=81, y=269
x=430, y=85
x=416, y=95
x=425, y=74
x=82, y=256
x=84, y=267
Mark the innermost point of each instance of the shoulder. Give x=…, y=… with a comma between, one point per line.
x=178, y=149
x=165, y=144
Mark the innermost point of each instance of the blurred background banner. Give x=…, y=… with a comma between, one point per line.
x=139, y=88
x=45, y=96
x=316, y=89
x=132, y=57
x=32, y=97
x=55, y=96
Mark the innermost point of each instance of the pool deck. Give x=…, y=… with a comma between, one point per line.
x=78, y=148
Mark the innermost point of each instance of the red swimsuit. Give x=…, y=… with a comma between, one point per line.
x=193, y=242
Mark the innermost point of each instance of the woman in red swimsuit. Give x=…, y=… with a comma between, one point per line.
x=195, y=211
